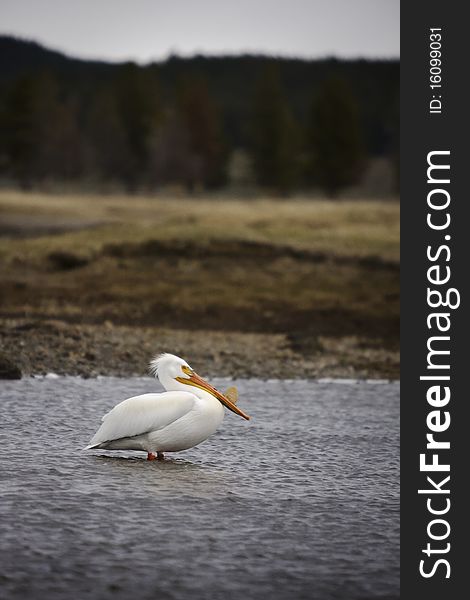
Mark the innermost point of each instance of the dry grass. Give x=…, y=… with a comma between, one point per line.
x=346, y=228
x=322, y=275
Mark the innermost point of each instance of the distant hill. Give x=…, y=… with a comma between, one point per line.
x=18, y=56
x=231, y=83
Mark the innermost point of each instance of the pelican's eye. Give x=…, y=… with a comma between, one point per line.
x=187, y=370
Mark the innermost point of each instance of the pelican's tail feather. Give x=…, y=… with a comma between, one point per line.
x=92, y=446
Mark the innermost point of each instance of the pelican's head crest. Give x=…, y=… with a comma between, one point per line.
x=167, y=364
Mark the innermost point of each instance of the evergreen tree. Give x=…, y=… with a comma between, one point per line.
x=61, y=153
x=274, y=136
x=171, y=159
x=136, y=94
x=20, y=131
x=41, y=134
x=334, y=142
x=202, y=122
x=110, y=154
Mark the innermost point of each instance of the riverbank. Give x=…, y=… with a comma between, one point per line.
x=91, y=350
x=259, y=288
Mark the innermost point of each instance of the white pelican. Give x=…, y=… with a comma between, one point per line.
x=185, y=415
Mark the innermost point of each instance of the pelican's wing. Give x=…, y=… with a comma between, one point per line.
x=141, y=414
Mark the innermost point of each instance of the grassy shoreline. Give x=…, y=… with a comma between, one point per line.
x=97, y=285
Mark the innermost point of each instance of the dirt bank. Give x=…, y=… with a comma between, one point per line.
x=104, y=298
x=89, y=350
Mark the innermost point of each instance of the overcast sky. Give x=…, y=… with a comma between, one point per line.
x=145, y=30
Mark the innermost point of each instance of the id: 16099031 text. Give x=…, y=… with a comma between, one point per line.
x=435, y=70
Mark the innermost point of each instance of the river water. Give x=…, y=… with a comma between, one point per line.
x=300, y=502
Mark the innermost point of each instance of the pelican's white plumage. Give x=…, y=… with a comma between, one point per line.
x=142, y=414
x=180, y=418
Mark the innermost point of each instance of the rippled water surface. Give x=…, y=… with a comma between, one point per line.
x=300, y=502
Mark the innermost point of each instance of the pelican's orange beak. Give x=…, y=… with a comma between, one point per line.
x=199, y=382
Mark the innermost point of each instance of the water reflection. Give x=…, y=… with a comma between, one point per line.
x=174, y=476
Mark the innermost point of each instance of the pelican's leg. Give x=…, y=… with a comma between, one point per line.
x=160, y=456
x=151, y=456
